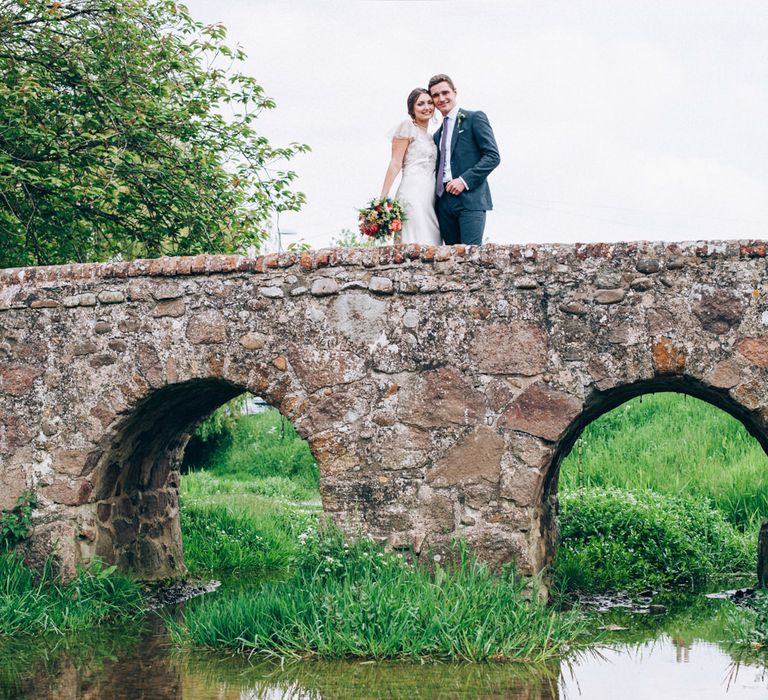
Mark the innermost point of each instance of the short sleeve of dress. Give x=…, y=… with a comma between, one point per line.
x=404, y=130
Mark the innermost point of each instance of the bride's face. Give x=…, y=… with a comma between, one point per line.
x=423, y=108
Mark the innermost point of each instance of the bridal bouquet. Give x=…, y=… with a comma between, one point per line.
x=381, y=218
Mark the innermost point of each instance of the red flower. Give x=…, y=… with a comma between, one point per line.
x=395, y=225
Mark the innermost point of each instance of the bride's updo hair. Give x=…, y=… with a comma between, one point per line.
x=412, y=100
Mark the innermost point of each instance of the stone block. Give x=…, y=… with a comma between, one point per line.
x=173, y=308
x=725, y=374
x=719, y=310
x=324, y=286
x=110, y=297
x=17, y=380
x=253, y=341
x=207, y=327
x=475, y=457
x=610, y=296
x=317, y=369
x=522, y=486
x=668, y=358
x=272, y=292
x=440, y=397
x=511, y=348
x=381, y=285
x=754, y=349
x=541, y=411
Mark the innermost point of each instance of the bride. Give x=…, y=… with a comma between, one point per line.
x=415, y=153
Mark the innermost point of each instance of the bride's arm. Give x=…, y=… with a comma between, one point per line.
x=399, y=147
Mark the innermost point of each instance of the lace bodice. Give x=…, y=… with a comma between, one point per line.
x=421, y=155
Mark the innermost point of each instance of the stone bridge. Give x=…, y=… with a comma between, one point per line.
x=438, y=388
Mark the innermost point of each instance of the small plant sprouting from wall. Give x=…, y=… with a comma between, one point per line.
x=16, y=522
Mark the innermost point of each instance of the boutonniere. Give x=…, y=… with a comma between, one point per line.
x=458, y=120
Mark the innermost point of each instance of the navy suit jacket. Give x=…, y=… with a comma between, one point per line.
x=474, y=154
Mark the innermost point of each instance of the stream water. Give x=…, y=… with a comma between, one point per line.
x=678, y=655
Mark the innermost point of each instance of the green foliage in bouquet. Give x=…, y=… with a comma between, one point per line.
x=381, y=218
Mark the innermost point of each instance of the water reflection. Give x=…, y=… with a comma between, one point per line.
x=675, y=658
x=213, y=678
x=126, y=663
x=661, y=669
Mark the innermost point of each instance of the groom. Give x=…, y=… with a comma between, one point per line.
x=467, y=153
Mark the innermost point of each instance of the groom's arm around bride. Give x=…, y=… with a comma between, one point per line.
x=467, y=153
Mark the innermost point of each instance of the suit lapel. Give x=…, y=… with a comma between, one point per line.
x=460, y=116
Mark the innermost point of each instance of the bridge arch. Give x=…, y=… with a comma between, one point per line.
x=438, y=388
x=600, y=403
x=136, y=477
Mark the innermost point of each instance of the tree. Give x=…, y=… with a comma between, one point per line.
x=122, y=135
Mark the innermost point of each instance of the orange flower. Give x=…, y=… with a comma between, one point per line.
x=395, y=225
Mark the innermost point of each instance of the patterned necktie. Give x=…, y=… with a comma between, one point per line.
x=439, y=185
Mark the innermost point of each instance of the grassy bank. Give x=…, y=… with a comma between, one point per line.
x=336, y=599
x=673, y=444
x=255, y=512
x=38, y=603
x=623, y=524
x=229, y=525
x=262, y=448
x=349, y=599
x=35, y=603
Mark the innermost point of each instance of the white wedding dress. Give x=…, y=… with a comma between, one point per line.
x=417, y=186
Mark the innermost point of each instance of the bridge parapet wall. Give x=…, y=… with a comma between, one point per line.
x=438, y=388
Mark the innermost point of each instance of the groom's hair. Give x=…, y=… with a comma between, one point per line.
x=440, y=78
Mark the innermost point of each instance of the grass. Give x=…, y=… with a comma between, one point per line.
x=673, y=444
x=35, y=604
x=613, y=539
x=245, y=512
x=749, y=625
x=664, y=490
x=264, y=446
x=351, y=600
x=207, y=485
x=249, y=513
x=230, y=538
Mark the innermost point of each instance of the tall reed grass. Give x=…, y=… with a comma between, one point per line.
x=32, y=603
x=749, y=625
x=350, y=599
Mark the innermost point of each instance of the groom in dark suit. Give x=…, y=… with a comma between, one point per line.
x=467, y=153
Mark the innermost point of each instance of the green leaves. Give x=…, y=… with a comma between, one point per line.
x=113, y=141
x=15, y=522
x=612, y=539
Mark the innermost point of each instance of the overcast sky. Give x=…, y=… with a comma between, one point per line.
x=616, y=120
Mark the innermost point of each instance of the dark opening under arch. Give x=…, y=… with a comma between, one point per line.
x=136, y=478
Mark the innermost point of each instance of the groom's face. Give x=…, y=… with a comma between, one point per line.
x=444, y=97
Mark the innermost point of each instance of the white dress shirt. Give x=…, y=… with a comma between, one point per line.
x=447, y=174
